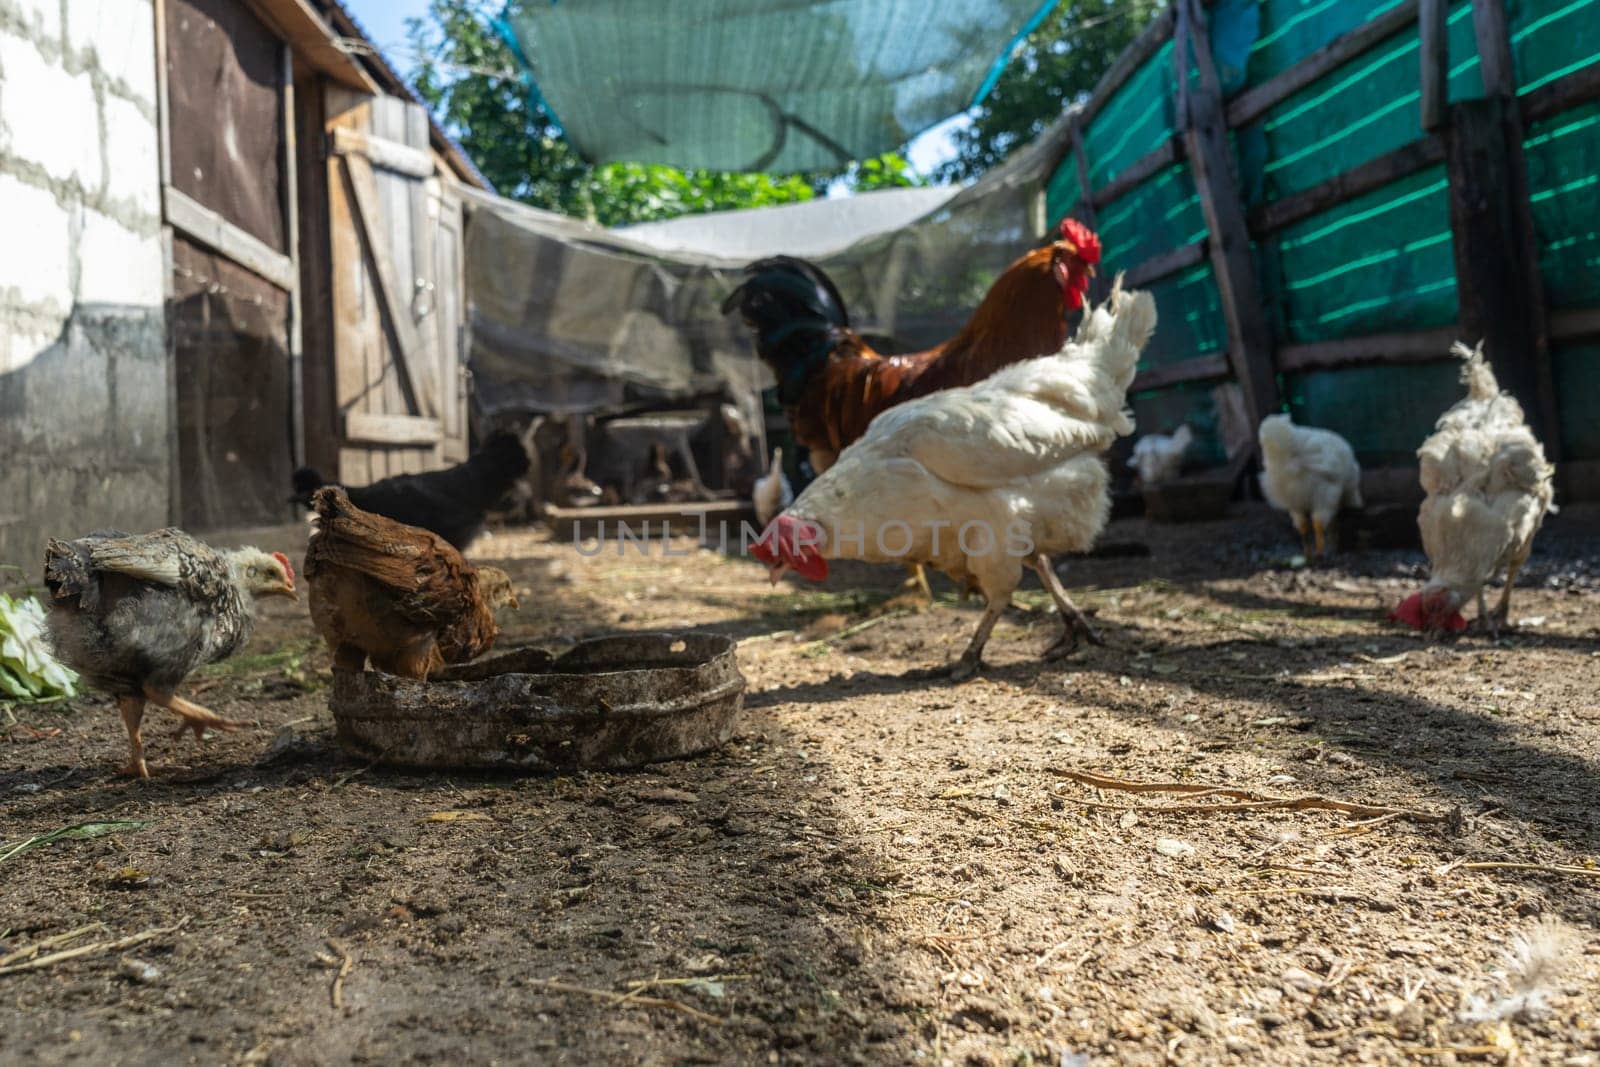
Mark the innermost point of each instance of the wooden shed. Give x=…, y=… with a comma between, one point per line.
x=314, y=219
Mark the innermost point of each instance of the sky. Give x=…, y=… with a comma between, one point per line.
x=385, y=23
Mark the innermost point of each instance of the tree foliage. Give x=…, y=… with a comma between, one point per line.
x=1054, y=66
x=466, y=74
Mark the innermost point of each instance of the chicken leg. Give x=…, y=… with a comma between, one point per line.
x=917, y=578
x=195, y=717
x=1301, y=527
x=132, y=709
x=972, y=658
x=1502, y=611
x=1317, y=528
x=1074, y=623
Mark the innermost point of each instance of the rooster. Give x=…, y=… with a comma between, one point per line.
x=980, y=480
x=134, y=615
x=832, y=384
x=454, y=503
x=1488, y=490
x=1308, y=472
x=395, y=594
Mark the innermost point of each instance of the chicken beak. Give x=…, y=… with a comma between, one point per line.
x=284, y=589
x=778, y=571
x=1092, y=272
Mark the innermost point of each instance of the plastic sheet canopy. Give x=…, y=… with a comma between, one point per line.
x=760, y=85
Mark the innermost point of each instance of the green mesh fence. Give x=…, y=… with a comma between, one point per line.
x=1139, y=118
x=1563, y=154
x=1189, y=317
x=1550, y=40
x=1379, y=263
x=1383, y=262
x=1358, y=112
x=1385, y=412
x=1577, y=373
x=1160, y=214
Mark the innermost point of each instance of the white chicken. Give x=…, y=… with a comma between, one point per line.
x=772, y=492
x=1158, y=457
x=979, y=481
x=1309, y=473
x=1489, y=488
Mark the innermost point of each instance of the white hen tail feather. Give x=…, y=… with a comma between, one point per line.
x=1476, y=374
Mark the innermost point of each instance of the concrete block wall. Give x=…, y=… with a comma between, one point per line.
x=84, y=397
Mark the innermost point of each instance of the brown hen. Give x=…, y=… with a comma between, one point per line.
x=396, y=595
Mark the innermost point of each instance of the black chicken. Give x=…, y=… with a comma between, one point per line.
x=134, y=615
x=452, y=503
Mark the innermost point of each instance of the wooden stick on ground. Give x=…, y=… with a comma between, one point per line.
x=336, y=990
x=94, y=947
x=1543, y=868
x=626, y=998
x=1250, y=800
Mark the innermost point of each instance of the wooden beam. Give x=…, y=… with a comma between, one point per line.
x=1159, y=266
x=408, y=345
x=291, y=212
x=1373, y=174
x=1419, y=346
x=1146, y=166
x=1435, y=74
x=1206, y=141
x=199, y=223
x=1201, y=368
x=1497, y=275
x=1563, y=94
x=1494, y=48
x=382, y=152
x=365, y=428
x=299, y=25
x=1573, y=323
x=1133, y=57
x=1253, y=103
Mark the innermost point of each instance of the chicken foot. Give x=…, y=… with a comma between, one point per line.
x=194, y=716
x=917, y=578
x=132, y=709
x=1075, y=624
x=1499, y=619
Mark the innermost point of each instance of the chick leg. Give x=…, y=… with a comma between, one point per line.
x=917, y=578
x=195, y=717
x=1074, y=623
x=972, y=658
x=1301, y=527
x=1485, y=620
x=132, y=709
x=1317, y=527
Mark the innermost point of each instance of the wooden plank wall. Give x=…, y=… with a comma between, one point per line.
x=1438, y=123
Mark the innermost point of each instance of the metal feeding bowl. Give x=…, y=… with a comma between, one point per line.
x=606, y=703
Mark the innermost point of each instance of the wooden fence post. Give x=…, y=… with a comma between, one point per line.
x=1205, y=134
x=1497, y=266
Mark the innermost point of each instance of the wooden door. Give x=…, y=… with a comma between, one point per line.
x=399, y=403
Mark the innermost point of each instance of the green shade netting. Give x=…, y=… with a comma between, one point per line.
x=768, y=85
x=1138, y=119
x=1189, y=314
x=1384, y=412
x=1164, y=410
x=1563, y=156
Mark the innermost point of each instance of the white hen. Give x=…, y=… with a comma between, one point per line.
x=1158, y=457
x=1309, y=473
x=772, y=492
x=981, y=480
x=1488, y=488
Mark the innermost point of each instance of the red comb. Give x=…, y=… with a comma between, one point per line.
x=1082, y=238
x=287, y=566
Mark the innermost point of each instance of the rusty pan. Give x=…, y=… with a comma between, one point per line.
x=605, y=703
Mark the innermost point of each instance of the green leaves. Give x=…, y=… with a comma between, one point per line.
x=28, y=669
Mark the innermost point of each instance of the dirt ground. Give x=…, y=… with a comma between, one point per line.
x=881, y=867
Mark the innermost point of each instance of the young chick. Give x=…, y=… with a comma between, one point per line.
x=134, y=615
x=772, y=492
x=397, y=595
x=1158, y=457
x=1309, y=473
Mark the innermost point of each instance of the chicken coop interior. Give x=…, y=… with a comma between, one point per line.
x=1138, y=604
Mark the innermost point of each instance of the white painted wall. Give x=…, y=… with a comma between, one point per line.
x=84, y=419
